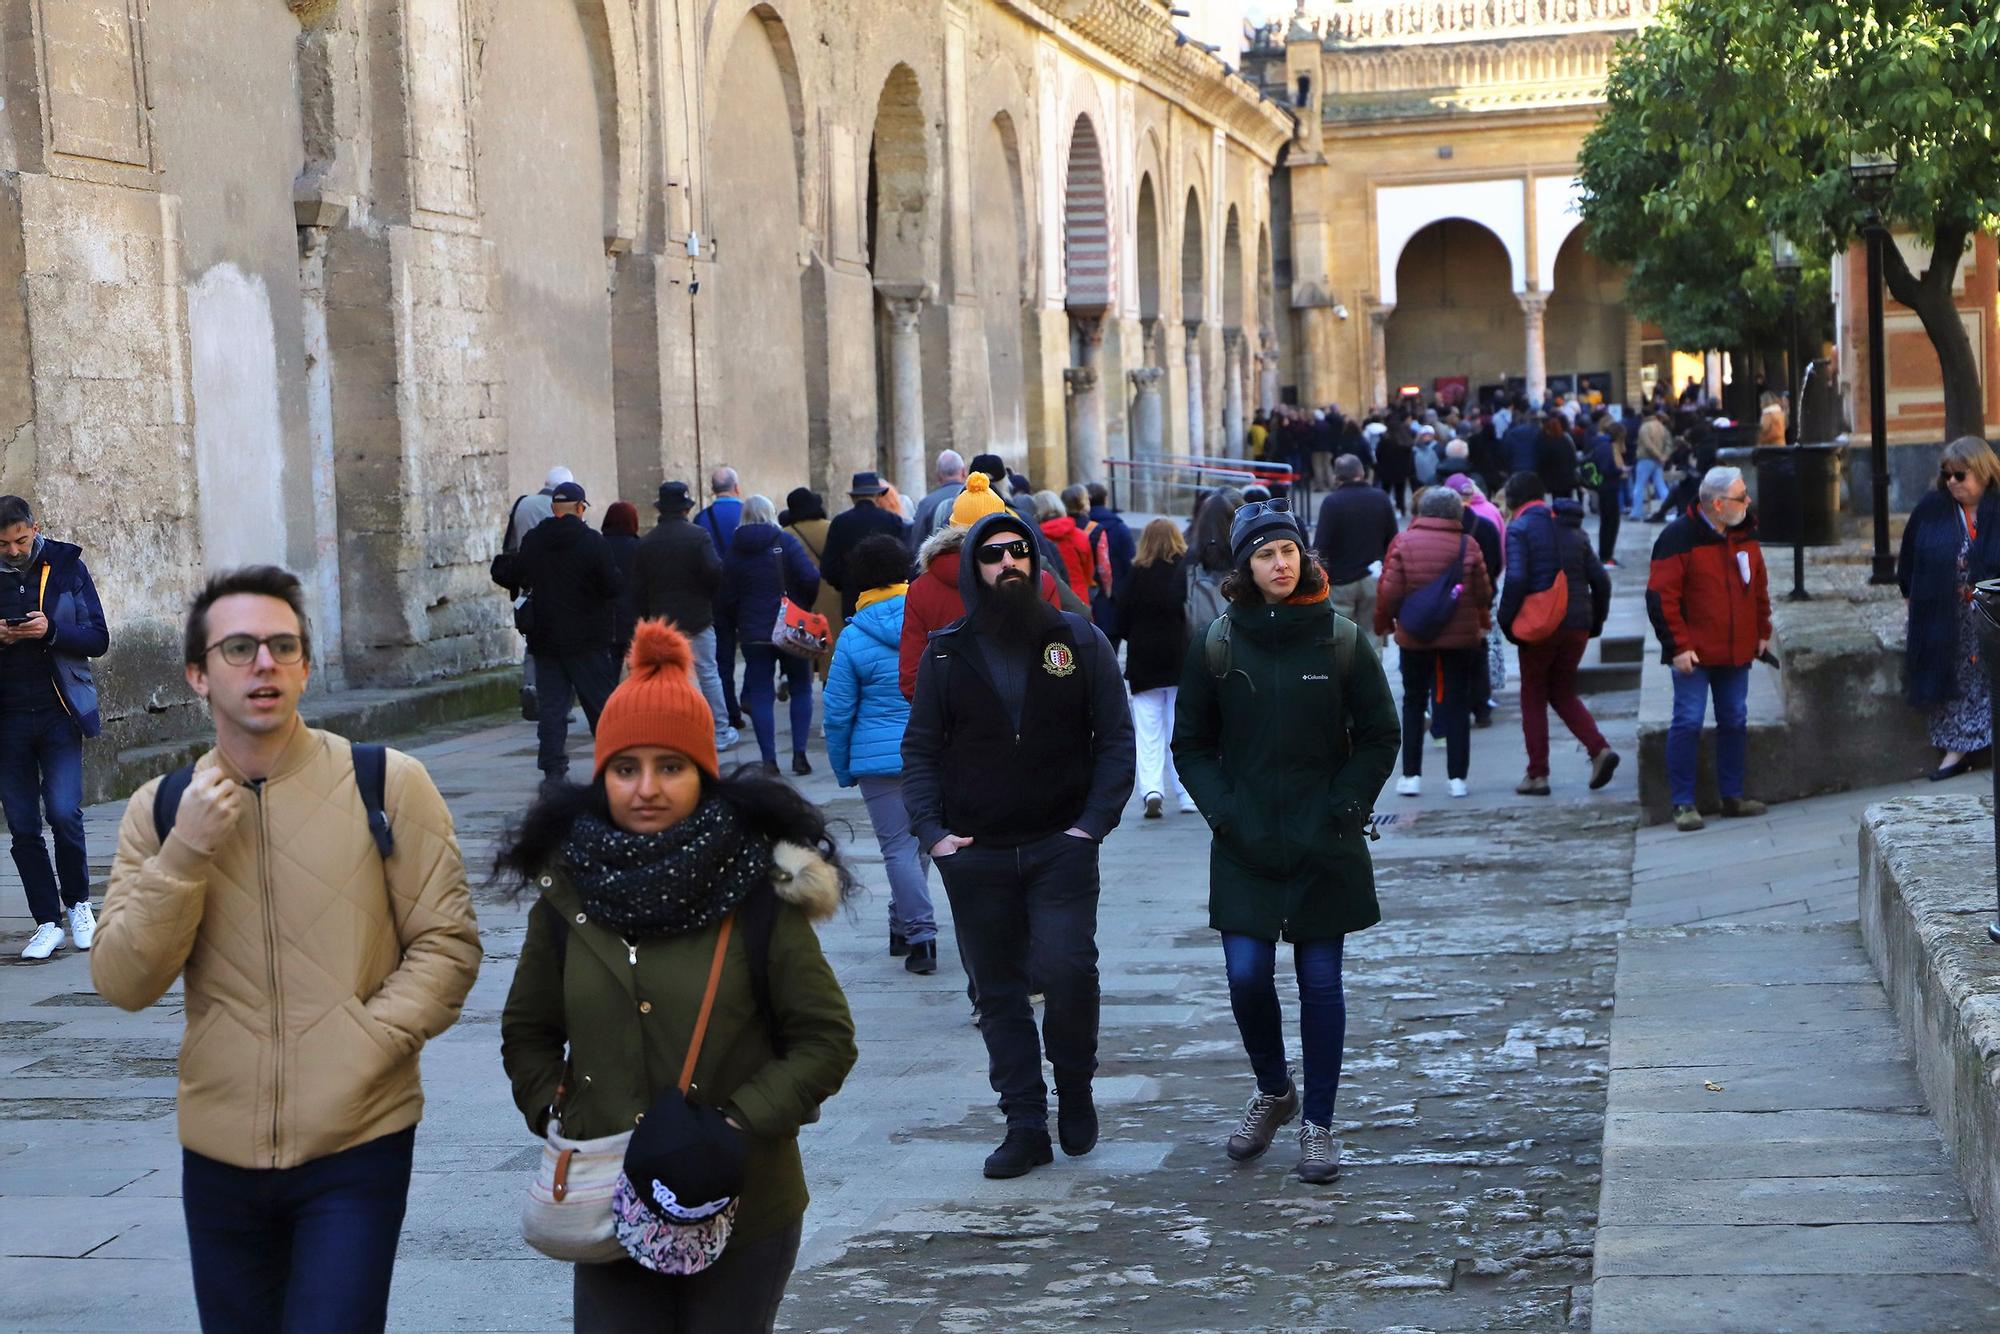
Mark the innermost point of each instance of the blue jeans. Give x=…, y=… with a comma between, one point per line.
x=910, y=913
x=1253, y=995
x=41, y=771
x=760, y=694
x=1649, y=485
x=297, y=1249
x=1731, y=687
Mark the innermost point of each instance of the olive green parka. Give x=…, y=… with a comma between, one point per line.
x=1285, y=763
x=626, y=1013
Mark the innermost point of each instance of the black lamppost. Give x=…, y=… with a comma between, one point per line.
x=1872, y=175
x=1786, y=262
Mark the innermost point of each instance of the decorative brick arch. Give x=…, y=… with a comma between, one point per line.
x=1086, y=221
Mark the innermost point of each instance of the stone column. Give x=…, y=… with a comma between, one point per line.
x=1233, y=345
x=1534, y=305
x=1149, y=436
x=1267, y=370
x=906, y=392
x=1378, y=354
x=1086, y=425
x=1197, y=398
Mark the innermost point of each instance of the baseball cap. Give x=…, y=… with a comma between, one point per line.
x=568, y=493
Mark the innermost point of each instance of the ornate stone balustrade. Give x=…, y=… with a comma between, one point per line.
x=1350, y=23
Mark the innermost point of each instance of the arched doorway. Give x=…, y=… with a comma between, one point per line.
x=1585, y=326
x=1088, y=293
x=541, y=188
x=898, y=200
x=752, y=383
x=1194, y=281
x=1000, y=264
x=1455, y=313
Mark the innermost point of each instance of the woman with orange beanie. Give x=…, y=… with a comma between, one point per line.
x=646, y=880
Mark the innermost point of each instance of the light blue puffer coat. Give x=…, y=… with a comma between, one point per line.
x=863, y=707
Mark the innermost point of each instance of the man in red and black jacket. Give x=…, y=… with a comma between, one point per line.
x=1710, y=602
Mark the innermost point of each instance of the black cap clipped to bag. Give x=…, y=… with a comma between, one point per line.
x=684, y=1161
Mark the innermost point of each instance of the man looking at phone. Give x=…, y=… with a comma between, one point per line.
x=50, y=625
x=1017, y=762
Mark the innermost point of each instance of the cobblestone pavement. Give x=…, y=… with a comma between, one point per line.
x=1471, y=1106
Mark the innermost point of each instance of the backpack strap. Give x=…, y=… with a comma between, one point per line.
x=1215, y=648
x=167, y=800
x=371, y=775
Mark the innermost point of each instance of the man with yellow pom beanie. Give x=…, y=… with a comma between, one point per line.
x=934, y=601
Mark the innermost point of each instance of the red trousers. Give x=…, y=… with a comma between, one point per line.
x=1548, y=677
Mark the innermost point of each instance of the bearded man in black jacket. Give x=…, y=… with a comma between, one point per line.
x=1017, y=763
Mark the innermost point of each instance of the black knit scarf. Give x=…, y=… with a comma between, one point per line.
x=679, y=880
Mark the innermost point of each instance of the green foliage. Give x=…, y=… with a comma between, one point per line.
x=1729, y=117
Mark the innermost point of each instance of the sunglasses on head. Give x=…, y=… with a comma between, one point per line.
x=994, y=552
x=1952, y=474
x=1257, y=507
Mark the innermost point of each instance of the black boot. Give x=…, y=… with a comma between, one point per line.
x=1024, y=1149
x=899, y=945
x=800, y=764
x=923, y=958
x=1076, y=1123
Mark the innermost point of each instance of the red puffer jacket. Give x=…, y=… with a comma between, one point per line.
x=1079, y=564
x=1424, y=551
x=1708, y=592
x=933, y=601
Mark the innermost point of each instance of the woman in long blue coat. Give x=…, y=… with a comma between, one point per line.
x=1951, y=543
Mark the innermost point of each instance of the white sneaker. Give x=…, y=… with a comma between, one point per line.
x=1187, y=805
x=82, y=925
x=1458, y=789
x=43, y=943
x=1413, y=786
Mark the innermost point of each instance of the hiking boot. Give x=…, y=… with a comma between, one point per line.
x=1319, y=1155
x=1534, y=785
x=922, y=959
x=1076, y=1123
x=1738, y=808
x=1025, y=1149
x=1602, y=765
x=1154, y=802
x=1266, y=1115
x=1687, y=819
x=899, y=944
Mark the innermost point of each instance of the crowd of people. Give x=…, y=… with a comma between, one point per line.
x=999, y=670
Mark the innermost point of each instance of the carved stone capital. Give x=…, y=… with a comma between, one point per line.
x=904, y=313
x=1080, y=379
x=1146, y=379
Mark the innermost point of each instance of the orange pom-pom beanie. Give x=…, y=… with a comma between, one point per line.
x=658, y=704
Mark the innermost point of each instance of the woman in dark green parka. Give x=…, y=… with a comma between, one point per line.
x=636, y=874
x=1284, y=733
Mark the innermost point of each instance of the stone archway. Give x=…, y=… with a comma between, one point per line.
x=542, y=188
x=751, y=296
x=1194, y=280
x=1000, y=263
x=898, y=210
x=1585, y=325
x=1456, y=313
x=1088, y=294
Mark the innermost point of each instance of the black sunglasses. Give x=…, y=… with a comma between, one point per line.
x=994, y=552
x=1952, y=475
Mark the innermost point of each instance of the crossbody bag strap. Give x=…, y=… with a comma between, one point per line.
x=707, y=1003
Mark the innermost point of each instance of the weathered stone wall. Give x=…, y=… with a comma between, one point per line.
x=330, y=282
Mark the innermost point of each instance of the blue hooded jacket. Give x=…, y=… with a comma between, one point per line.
x=59, y=584
x=863, y=705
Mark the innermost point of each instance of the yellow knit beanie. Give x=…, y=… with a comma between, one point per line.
x=976, y=501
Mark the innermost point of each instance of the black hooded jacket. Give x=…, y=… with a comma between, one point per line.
x=1008, y=744
x=569, y=568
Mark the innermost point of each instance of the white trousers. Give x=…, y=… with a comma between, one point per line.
x=1153, y=724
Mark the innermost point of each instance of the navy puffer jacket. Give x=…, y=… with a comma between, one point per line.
x=763, y=563
x=1534, y=554
x=1589, y=585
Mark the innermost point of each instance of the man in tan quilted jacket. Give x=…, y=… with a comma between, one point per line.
x=315, y=971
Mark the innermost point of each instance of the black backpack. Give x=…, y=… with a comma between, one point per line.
x=371, y=775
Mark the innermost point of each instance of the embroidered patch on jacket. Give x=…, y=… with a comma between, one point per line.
x=1058, y=660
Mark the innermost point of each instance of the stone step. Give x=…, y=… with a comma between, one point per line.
x=1596, y=678
x=1621, y=648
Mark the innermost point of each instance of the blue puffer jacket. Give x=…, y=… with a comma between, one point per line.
x=863, y=706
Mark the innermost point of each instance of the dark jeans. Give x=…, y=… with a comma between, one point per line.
x=1441, y=679
x=591, y=677
x=760, y=695
x=1026, y=921
x=738, y=1294
x=725, y=663
x=337, y=1216
x=41, y=771
x=1609, y=515
x=1253, y=995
